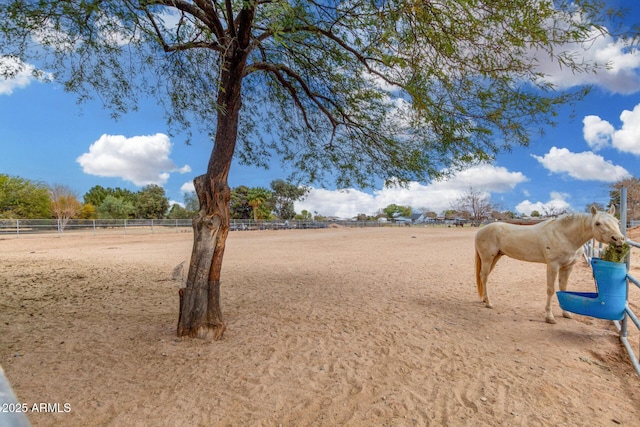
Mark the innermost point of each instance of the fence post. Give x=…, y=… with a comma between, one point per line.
x=152, y=226
x=623, y=221
x=94, y=226
x=17, y=228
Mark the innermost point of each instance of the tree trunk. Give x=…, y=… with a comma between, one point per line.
x=200, y=314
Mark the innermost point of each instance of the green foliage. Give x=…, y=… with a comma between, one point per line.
x=116, y=208
x=191, y=202
x=403, y=90
x=151, y=202
x=97, y=194
x=256, y=198
x=284, y=196
x=305, y=215
x=616, y=253
x=239, y=205
x=178, y=212
x=394, y=210
x=21, y=198
x=191, y=207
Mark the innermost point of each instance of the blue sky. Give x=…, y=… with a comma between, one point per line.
x=45, y=135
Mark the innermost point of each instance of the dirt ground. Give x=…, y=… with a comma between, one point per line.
x=338, y=326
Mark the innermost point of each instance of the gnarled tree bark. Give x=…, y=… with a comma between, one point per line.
x=200, y=314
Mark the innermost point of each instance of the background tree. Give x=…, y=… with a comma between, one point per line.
x=151, y=202
x=178, y=212
x=284, y=196
x=64, y=204
x=553, y=211
x=401, y=90
x=113, y=207
x=450, y=214
x=633, y=196
x=256, y=197
x=305, y=215
x=476, y=204
x=22, y=198
x=598, y=206
x=97, y=194
x=191, y=202
x=427, y=212
x=88, y=211
x=188, y=211
x=239, y=203
x=503, y=215
x=393, y=210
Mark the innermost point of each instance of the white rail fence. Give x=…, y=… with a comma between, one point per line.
x=22, y=227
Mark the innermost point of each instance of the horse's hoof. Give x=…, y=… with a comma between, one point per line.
x=550, y=320
x=567, y=315
x=488, y=305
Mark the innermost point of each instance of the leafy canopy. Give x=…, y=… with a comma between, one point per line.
x=354, y=90
x=23, y=198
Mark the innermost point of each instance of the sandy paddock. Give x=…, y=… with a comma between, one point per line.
x=325, y=327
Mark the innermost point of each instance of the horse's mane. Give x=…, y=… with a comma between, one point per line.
x=573, y=216
x=570, y=217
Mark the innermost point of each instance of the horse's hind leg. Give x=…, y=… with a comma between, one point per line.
x=487, y=267
x=552, y=273
x=563, y=279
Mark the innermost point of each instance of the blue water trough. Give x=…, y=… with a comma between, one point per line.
x=610, y=299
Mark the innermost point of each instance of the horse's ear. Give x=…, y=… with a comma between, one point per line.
x=594, y=210
x=612, y=209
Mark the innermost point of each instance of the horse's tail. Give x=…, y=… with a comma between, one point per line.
x=478, y=280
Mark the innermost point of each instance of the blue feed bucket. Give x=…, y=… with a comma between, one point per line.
x=610, y=300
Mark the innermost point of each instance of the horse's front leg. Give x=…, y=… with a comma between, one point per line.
x=552, y=274
x=563, y=279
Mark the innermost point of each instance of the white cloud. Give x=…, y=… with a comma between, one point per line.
x=585, y=166
x=142, y=160
x=557, y=203
x=627, y=138
x=188, y=187
x=619, y=65
x=597, y=132
x=15, y=74
x=600, y=133
x=436, y=196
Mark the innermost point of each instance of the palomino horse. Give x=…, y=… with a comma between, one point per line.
x=556, y=242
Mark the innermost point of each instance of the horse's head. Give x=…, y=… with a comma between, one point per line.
x=606, y=227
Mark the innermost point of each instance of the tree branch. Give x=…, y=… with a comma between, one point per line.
x=214, y=20
x=277, y=70
x=365, y=61
x=179, y=46
x=230, y=25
